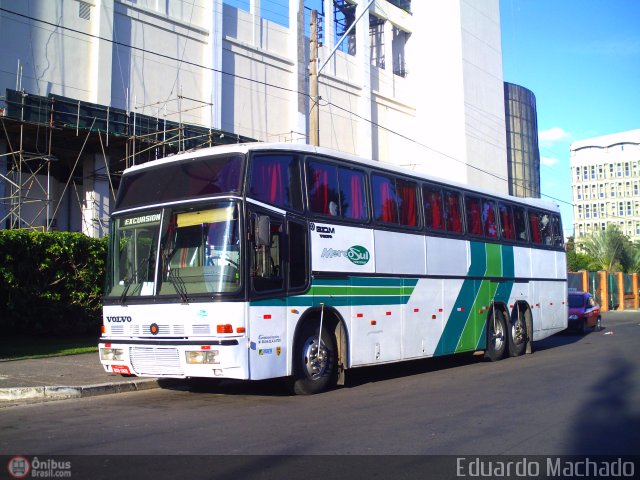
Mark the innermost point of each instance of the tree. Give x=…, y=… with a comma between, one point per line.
x=609, y=250
x=576, y=261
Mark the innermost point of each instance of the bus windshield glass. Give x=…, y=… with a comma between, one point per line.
x=198, y=252
x=171, y=181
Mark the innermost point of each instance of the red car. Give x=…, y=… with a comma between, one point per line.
x=584, y=312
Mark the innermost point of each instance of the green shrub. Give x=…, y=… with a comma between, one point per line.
x=51, y=283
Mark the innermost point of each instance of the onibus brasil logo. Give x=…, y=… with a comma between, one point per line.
x=357, y=254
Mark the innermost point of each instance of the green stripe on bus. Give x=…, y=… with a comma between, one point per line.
x=452, y=332
x=350, y=291
x=485, y=290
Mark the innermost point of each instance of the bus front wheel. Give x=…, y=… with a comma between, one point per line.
x=496, y=336
x=315, y=366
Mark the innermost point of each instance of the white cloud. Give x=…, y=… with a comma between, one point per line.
x=549, y=161
x=552, y=135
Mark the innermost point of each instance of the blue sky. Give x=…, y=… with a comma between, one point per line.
x=581, y=58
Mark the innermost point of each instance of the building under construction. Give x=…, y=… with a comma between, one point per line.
x=64, y=158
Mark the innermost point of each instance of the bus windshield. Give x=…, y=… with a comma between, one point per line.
x=198, y=252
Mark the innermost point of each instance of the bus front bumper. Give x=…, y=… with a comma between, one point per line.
x=226, y=358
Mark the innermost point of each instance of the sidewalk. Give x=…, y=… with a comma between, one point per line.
x=57, y=378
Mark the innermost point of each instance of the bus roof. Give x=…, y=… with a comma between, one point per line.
x=245, y=148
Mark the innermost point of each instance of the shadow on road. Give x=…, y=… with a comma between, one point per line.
x=607, y=423
x=356, y=377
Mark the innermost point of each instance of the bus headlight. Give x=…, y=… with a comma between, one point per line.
x=112, y=354
x=573, y=317
x=202, y=356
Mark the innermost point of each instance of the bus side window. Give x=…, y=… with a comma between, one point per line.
x=546, y=230
x=535, y=227
x=385, y=202
x=474, y=215
x=352, y=194
x=407, y=202
x=323, y=189
x=432, y=201
x=520, y=224
x=558, y=238
x=266, y=260
x=506, y=221
x=275, y=179
x=298, y=256
x=452, y=213
x=489, y=223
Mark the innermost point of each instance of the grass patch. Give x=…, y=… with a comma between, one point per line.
x=13, y=348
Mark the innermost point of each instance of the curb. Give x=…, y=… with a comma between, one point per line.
x=45, y=394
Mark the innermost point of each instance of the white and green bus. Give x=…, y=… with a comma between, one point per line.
x=258, y=261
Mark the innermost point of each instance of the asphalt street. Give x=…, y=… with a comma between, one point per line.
x=575, y=395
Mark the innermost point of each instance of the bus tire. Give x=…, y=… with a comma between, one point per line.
x=314, y=371
x=517, y=335
x=496, y=336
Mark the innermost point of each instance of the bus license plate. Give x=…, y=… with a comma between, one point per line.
x=122, y=369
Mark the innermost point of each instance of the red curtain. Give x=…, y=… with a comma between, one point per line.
x=474, y=216
x=433, y=209
x=454, y=222
x=490, y=227
x=319, y=187
x=506, y=217
x=409, y=211
x=535, y=228
x=357, y=204
x=388, y=210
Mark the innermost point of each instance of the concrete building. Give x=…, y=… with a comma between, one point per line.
x=92, y=86
x=523, y=154
x=605, y=174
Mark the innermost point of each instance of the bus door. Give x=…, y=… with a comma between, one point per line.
x=267, y=306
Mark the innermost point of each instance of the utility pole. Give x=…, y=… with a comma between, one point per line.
x=314, y=72
x=314, y=110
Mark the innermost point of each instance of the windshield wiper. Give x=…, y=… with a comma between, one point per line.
x=178, y=285
x=135, y=276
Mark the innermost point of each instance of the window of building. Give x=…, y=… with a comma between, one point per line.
x=344, y=14
x=398, y=47
x=593, y=172
x=587, y=211
x=376, y=41
x=579, y=192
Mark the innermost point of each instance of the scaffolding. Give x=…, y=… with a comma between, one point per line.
x=46, y=138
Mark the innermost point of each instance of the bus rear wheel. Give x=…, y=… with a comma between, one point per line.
x=496, y=336
x=517, y=335
x=315, y=366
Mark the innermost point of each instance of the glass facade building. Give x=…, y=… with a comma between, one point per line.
x=523, y=154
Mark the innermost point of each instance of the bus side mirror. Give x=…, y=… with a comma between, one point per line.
x=263, y=231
